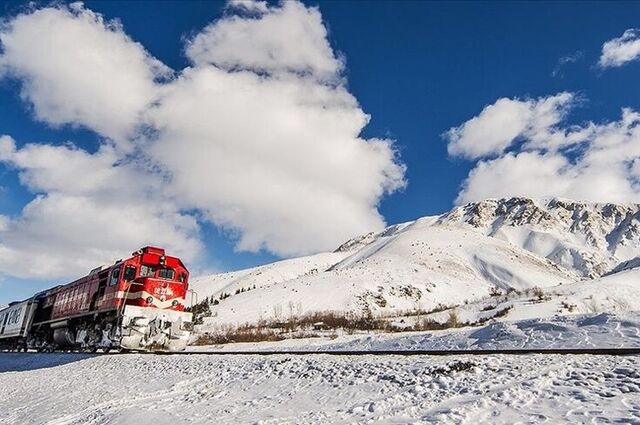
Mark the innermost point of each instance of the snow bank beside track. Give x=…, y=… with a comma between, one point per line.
x=570, y=331
x=576, y=331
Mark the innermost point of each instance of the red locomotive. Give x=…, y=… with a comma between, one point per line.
x=137, y=303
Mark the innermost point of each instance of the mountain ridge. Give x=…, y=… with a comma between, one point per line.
x=459, y=257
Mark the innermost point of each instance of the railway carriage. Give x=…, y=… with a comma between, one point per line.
x=15, y=322
x=136, y=303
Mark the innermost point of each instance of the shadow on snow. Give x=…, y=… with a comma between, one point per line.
x=18, y=362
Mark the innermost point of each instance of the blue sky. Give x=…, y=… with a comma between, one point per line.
x=417, y=68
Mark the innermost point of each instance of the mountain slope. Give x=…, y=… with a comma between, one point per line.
x=589, y=238
x=462, y=256
x=417, y=267
x=261, y=276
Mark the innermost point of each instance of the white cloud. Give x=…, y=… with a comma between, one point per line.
x=289, y=38
x=618, y=51
x=76, y=68
x=274, y=156
x=89, y=209
x=564, y=61
x=260, y=136
x=249, y=5
x=278, y=159
x=595, y=162
x=500, y=124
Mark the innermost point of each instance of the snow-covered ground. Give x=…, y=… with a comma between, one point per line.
x=537, y=274
x=568, y=331
x=65, y=389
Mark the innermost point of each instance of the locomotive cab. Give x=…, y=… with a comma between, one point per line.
x=151, y=279
x=155, y=286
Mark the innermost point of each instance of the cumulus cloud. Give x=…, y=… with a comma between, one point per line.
x=89, y=208
x=249, y=5
x=500, y=124
x=271, y=136
x=260, y=136
x=290, y=38
x=281, y=162
x=596, y=162
x=618, y=51
x=76, y=68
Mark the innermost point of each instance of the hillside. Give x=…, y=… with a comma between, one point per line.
x=464, y=257
x=591, y=239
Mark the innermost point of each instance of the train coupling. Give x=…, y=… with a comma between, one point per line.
x=154, y=329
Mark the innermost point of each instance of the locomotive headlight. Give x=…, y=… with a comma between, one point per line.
x=174, y=303
x=149, y=300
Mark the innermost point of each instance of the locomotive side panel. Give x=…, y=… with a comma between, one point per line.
x=72, y=300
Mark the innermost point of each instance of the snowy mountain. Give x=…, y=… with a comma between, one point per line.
x=464, y=257
x=591, y=239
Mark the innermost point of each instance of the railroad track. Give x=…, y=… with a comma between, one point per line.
x=592, y=351
x=515, y=351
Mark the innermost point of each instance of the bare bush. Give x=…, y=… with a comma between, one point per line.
x=428, y=324
x=539, y=294
x=495, y=292
x=453, y=320
x=241, y=334
x=422, y=312
x=569, y=307
x=319, y=324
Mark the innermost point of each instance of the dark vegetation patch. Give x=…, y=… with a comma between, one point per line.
x=328, y=323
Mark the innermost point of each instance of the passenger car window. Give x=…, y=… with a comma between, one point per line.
x=115, y=277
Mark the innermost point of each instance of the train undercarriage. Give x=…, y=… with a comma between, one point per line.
x=135, y=329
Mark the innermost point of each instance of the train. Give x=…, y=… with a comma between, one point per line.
x=134, y=304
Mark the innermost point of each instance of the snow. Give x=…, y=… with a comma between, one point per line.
x=602, y=330
x=456, y=259
x=317, y=389
x=576, y=331
x=590, y=238
x=563, y=274
x=419, y=267
x=616, y=293
x=263, y=276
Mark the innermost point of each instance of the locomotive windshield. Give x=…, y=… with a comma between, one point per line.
x=147, y=271
x=163, y=273
x=166, y=274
